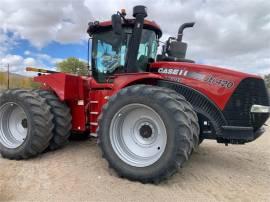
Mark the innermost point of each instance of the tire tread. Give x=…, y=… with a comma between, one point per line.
x=182, y=116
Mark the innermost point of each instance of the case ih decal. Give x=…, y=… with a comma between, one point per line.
x=172, y=71
x=194, y=75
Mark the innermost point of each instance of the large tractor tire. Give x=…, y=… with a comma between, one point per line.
x=61, y=119
x=145, y=134
x=201, y=141
x=25, y=124
x=191, y=114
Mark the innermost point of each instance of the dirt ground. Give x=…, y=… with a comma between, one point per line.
x=78, y=173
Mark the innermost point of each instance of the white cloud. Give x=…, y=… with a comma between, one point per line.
x=7, y=42
x=13, y=60
x=42, y=21
x=27, y=52
x=234, y=33
x=29, y=62
x=18, y=63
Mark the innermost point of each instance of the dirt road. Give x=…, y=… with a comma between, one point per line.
x=77, y=173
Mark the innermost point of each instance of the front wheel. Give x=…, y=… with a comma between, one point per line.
x=145, y=134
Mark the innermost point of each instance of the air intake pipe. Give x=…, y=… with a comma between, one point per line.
x=139, y=12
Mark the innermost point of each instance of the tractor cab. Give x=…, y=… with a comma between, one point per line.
x=130, y=45
x=123, y=45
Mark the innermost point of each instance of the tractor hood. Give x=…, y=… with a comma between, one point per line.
x=216, y=83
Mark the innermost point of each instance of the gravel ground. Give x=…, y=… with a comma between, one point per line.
x=78, y=173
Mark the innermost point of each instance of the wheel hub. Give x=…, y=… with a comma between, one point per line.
x=13, y=125
x=24, y=123
x=146, y=131
x=138, y=135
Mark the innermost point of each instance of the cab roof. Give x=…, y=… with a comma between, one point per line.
x=97, y=27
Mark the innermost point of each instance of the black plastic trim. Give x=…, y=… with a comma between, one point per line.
x=238, y=135
x=201, y=104
x=223, y=131
x=250, y=91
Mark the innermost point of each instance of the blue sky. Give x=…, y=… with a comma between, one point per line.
x=41, y=33
x=47, y=56
x=54, y=49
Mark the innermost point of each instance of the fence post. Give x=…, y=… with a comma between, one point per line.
x=8, y=76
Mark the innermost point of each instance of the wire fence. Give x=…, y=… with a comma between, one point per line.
x=8, y=79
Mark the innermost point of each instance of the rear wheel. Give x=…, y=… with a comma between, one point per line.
x=25, y=124
x=145, y=134
x=61, y=119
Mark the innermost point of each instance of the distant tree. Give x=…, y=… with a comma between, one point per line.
x=72, y=65
x=267, y=80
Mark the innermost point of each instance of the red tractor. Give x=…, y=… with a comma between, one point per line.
x=148, y=111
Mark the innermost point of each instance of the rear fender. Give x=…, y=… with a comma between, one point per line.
x=66, y=86
x=71, y=89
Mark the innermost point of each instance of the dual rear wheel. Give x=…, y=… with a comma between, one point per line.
x=145, y=132
x=32, y=122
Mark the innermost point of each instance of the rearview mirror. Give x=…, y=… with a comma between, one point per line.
x=117, y=24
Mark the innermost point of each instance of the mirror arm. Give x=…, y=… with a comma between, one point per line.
x=122, y=16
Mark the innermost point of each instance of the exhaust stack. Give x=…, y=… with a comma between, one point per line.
x=181, y=29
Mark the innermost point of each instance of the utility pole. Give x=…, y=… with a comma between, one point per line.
x=8, y=76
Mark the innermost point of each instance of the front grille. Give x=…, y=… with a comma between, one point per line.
x=202, y=104
x=237, y=111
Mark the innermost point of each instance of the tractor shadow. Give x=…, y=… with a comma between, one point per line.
x=214, y=162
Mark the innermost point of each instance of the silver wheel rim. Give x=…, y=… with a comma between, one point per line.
x=138, y=135
x=13, y=125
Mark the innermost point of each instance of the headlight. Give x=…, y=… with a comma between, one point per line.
x=260, y=109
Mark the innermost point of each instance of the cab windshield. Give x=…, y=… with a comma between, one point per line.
x=109, y=52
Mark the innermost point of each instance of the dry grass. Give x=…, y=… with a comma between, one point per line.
x=16, y=81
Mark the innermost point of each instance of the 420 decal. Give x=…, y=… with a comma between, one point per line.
x=219, y=82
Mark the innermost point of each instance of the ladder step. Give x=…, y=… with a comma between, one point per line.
x=93, y=134
x=94, y=113
x=93, y=101
x=93, y=123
